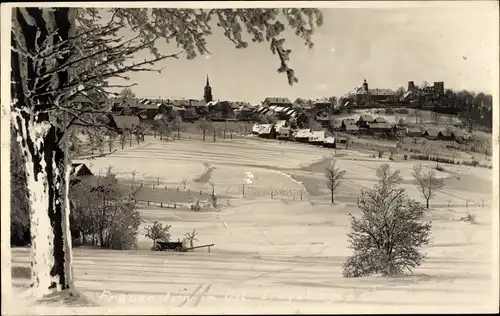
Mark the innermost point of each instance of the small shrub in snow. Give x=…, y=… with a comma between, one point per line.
x=388, y=236
x=196, y=206
x=158, y=232
x=380, y=153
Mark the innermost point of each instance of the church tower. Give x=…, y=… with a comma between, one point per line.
x=365, y=86
x=207, y=96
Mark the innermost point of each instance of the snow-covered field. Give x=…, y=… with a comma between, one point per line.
x=283, y=255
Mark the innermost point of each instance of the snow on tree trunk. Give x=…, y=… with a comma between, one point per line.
x=39, y=139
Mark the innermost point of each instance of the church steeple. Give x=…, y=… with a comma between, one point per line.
x=207, y=96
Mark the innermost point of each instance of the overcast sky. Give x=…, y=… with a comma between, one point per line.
x=457, y=44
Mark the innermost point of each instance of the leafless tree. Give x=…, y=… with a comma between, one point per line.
x=334, y=177
x=123, y=140
x=178, y=122
x=388, y=179
x=426, y=182
x=111, y=141
x=205, y=126
x=190, y=237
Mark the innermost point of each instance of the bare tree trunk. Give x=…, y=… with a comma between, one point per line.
x=333, y=199
x=45, y=168
x=427, y=203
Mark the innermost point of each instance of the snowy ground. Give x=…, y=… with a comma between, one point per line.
x=283, y=255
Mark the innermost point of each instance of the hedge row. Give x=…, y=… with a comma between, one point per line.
x=473, y=163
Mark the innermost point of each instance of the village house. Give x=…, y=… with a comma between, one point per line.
x=123, y=123
x=364, y=121
x=199, y=106
x=330, y=142
x=245, y=112
x=302, y=135
x=265, y=131
x=317, y=138
x=276, y=101
x=349, y=126
x=445, y=135
x=322, y=105
x=364, y=96
x=124, y=107
x=379, y=128
x=284, y=133
x=324, y=119
x=148, y=109
x=431, y=134
x=220, y=110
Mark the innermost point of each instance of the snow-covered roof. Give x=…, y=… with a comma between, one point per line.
x=303, y=133
x=255, y=128
x=317, y=135
x=329, y=140
x=265, y=129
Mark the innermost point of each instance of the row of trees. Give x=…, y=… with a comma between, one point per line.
x=425, y=181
